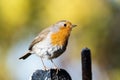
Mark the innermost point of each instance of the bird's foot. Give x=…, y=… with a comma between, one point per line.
x=45, y=68
x=57, y=69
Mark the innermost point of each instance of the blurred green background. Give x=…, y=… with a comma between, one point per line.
x=98, y=29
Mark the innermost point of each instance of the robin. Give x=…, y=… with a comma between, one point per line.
x=51, y=42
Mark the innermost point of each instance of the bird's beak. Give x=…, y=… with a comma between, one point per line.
x=74, y=25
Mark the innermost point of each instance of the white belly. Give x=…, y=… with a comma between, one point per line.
x=45, y=49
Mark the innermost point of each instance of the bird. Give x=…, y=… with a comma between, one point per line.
x=51, y=42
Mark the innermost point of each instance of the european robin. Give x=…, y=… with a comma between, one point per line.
x=51, y=42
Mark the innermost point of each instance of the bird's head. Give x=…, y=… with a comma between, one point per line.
x=63, y=25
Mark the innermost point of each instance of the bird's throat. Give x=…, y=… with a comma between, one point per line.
x=59, y=38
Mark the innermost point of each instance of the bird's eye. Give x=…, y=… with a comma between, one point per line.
x=65, y=25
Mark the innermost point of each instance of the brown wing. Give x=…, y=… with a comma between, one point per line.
x=40, y=37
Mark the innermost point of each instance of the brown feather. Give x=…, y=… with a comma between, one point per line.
x=40, y=37
x=25, y=56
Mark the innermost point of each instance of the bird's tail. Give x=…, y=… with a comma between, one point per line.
x=26, y=55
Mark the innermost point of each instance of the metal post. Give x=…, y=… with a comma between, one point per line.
x=86, y=64
x=50, y=75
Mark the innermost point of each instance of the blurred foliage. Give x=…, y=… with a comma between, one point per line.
x=98, y=27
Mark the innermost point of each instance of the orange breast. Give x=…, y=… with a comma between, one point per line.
x=60, y=37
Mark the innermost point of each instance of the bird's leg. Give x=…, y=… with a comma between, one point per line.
x=55, y=66
x=45, y=68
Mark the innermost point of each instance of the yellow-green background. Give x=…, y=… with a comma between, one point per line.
x=98, y=29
